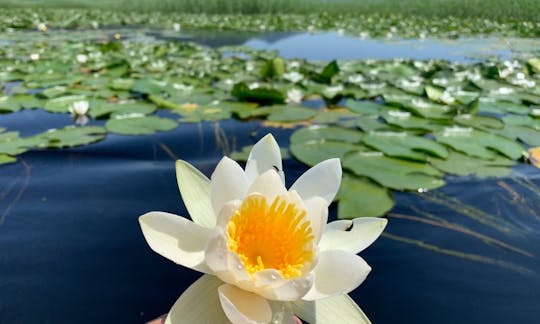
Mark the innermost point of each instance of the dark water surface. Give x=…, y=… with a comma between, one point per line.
x=71, y=250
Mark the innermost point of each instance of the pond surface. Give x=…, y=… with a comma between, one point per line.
x=72, y=249
x=325, y=46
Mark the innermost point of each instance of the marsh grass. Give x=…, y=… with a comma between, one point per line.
x=502, y=10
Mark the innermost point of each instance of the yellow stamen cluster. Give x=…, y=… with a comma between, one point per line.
x=276, y=236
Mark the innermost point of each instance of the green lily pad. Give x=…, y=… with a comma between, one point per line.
x=139, y=108
x=62, y=104
x=501, y=107
x=326, y=133
x=405, y=146
x=406, y=120
x=140, y=125
x=71, y=136
x=478, y=143
x=260, y=95
x=313, y=152
x=291, y=114
x=5, y=159
x=363, y=107
x=484, y=123
x=394, y=173
x=12, y=144
x=462, y=165
x=360, y=197
x=420, y=107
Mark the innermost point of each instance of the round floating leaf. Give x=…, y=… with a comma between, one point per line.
x=138, y=108
x=406, y=120
x=461, y=164
x=326, y=133
x=360, y=197
x=71, y=136
x=314, y=152
x=478, y=143
x=479, y=122
x=501, y=107
x=363, y=107
x=393, y=173
x=291, y=114
x=5, y=159
x=527, y=135
x=62, y=104
x=420, y=107
x=403, y=145
x=140, y=125
x=12, y=144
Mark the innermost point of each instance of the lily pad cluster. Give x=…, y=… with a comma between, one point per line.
x=396, y=125
x=365, y=25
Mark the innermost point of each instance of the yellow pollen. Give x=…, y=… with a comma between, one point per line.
x=276, y=236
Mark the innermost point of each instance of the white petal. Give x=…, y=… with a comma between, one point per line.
x=199, y=304
x=227, y=211
x=322, y=180
x=289, y=290
x=224, y=263
x=317, y=213
x=281, y=313
x=352, y=236
x=243, y=307
x=269, y=185
x=337, y=309
x=229, y=182
x=195, y=190
x=176, y=238
x=264, y=156
x=337, y=272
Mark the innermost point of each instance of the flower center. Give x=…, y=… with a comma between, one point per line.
x=276, y=236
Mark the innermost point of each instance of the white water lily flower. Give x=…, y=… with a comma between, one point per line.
x=34, y=56
x=42, y=27
x=293, y=76
x=294, y=96
x=79, y=108
x=267, y=252
x=81, y=58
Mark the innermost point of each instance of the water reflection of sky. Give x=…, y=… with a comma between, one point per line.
x=329, y=46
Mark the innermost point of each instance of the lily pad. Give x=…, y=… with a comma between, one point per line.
x=62, y=104
x=5, y=159
x=359, y=197
x=405, y=146
x=313, y=152
x=326, y=133
x=140, y=125
x=462, y=165
x=478, y=143
x=71, y=136
x=394, y=173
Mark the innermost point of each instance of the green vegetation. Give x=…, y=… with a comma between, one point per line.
x=396, y=125
x=493, y=9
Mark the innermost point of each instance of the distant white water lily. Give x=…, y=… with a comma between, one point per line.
x=293, y=76
x=42, y=27
x=294, y=96
x=267, y=252
x=177, y=27
x=78, y=111
x=253, y=85
x=34, y=56
x=82, y=58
